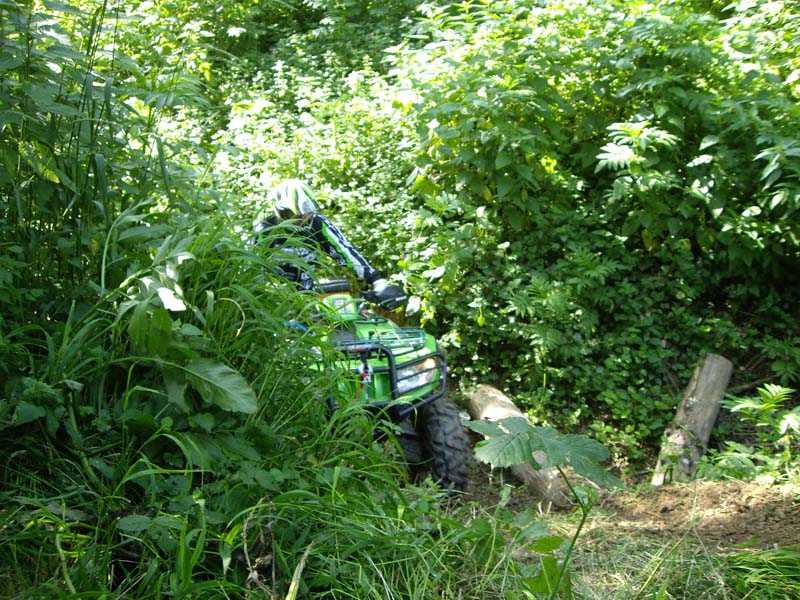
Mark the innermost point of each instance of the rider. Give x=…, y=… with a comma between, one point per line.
x=294, y=202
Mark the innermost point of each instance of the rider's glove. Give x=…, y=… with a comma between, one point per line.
x=388, y=295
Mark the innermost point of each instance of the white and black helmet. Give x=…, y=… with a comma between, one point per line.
x=292, y=198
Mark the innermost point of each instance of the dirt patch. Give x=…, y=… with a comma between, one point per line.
x=723, y=514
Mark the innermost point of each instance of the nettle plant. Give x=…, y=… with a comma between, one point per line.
x=515, y=441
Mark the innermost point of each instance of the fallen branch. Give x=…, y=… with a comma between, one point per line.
x=746, y=387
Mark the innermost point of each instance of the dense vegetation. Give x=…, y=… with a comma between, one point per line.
x=583, y=200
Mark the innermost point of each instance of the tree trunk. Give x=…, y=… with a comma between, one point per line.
x=688, y=434
x=490, y=404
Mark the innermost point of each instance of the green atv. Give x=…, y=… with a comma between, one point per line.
x=399, y=374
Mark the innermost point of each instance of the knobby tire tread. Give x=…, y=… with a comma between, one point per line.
x=447, y=443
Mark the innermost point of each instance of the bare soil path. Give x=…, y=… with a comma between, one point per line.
x=723, y=514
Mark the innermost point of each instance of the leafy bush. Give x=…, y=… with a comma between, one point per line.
x=586, y=210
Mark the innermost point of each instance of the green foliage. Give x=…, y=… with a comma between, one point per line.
x=362, y=542
x=772, y=453
x=157, y=421
x=582, y=209
x=564, y=189
x=320, y=43
x=514, y=441
x=581, y=201
x=150, y=424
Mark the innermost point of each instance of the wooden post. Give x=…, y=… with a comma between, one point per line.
x=488, y=403
x=688, y=434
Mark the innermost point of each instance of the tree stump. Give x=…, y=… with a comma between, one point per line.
x=490, y=404
x=685, y=439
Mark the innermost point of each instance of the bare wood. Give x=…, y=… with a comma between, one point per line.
x=688, y=434
x=490, y=404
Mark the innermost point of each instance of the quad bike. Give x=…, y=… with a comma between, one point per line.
x=399, y=374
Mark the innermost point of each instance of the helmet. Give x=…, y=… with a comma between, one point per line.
x=292, y=198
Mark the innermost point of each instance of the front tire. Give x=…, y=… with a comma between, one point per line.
x=444, y=445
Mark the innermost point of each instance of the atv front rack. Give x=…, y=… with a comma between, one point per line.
x=406, y=379
x=400, y=341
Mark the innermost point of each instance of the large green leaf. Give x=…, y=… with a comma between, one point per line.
x=175, y=382
x=27, y=412
x=134, y=523
x=514, y=440
x=220, y=385
x=150, y=329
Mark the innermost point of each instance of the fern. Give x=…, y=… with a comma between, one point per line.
x=616, y=157
x=630, y=142
x=777, y=430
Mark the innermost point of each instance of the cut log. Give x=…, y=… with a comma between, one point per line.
x=685, y=439
x=490, y=404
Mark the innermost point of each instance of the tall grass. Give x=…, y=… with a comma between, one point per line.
x=765, y=574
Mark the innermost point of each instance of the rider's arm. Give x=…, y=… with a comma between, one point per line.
x=339, y=247
x=261, y=228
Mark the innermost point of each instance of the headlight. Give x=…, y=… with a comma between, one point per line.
x=417, y=376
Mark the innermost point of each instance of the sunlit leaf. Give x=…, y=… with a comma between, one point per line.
x=142, y=233
x=170, y=301
x=790, y=421
x=547, y=544
x=220, y=385
x=434, y=273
